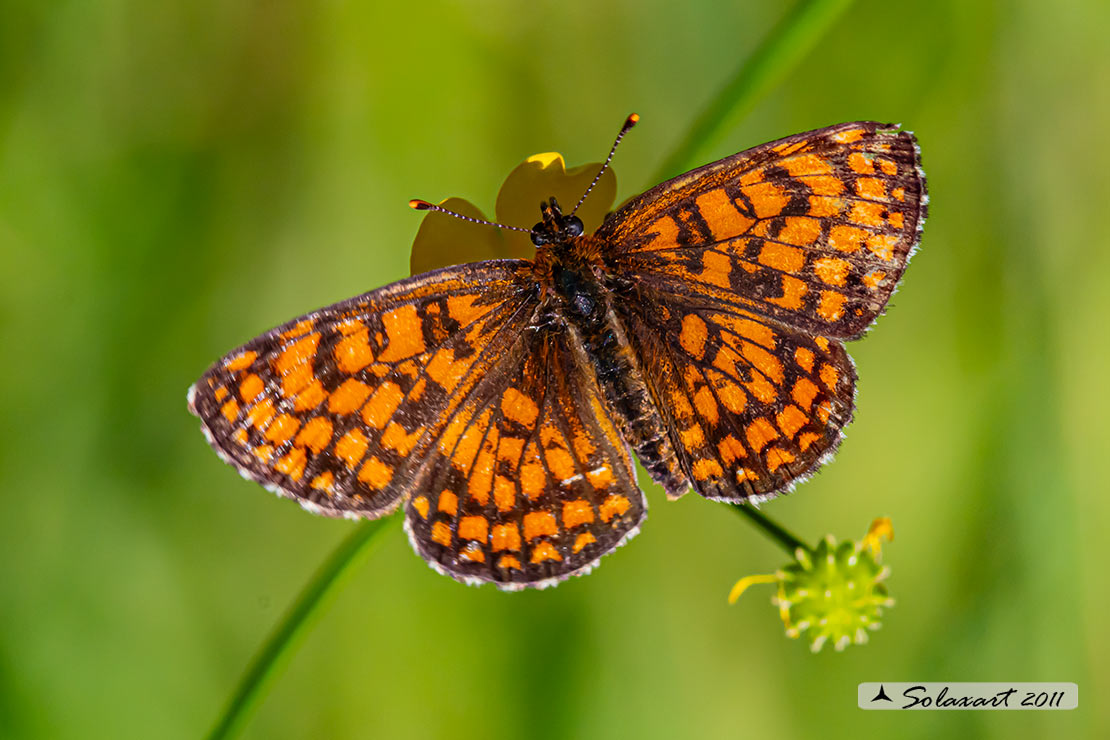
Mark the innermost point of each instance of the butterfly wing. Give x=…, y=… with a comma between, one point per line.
x=337, y=408
x=746, y=272
x=812, y=231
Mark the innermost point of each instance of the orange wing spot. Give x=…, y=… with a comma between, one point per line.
x=577, y=512
x=240, y=436
x=353, y=352
x=730, y=449
x=539, y=524
x=385, y=400
x=871, y=187
x=692, y=437
x=348, y=397
x=825, y=185
x=759, y=433
x=831, y=270
x=473, y=553
x=519, y=408
x=897, y=219
x=799, y=230
x=822, y=342
x=753, y=330
x=776, y=457
x=601, y=478
x=301, y=327
x=299, y=352
x=882, y=245
x=743, y=474
x=532, y=479
x=780, y=257
x=448, y=503
x=860, y=164
x=545, y=551
x=560, y=463
x=441, y=534
x=846, y=238
x=791, y=419
x=473, y=528
x=282, y=429
x=250, y=388
x=614, y=505
x=292, y=464
x=804, y=391
x=395, y=438
x=504, y=493
x=508, y=561
x=405, y=331
x=761, y=388
x=230, y=410
x=505, y=537
x=807, y=439
x=725, y=361
x=681, y=404
x=764, y=362
x=887, y=166
x=462, y=309
x=732, y=397
x=767, y=199
x=323, y=482
x=693, y=334
x=793, y=291
x=874, y=279
x=375, y=474
x=824, y=411
x=721, y=215
x=510, y=448
x=706, y=405
x=804, y=357
x=847, y=137
x=751, y=177
x=264, y=452
x=310, y=397
x=480, y=483
x=867, y=213
x=666, y=234
x=821, y=206
x=786, y=149
x=221, y=393
x=807, y=164
x=705, y=469
x=446, y=371
x=582, y=541
x=831, y=305
x=716, y=268
x=351, y=447
x=297, y=379
x=829, y=376
x=242, y=362
x=899, y=194
x=261, y=413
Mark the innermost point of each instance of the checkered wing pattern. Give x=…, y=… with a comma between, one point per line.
x=747, y=272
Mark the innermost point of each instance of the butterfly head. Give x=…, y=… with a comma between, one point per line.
x=555, y=227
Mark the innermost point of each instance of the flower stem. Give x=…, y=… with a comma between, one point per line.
x=771, y=528
x=780, y=51
x=279, y=647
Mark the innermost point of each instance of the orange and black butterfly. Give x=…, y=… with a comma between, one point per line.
x=700, y=327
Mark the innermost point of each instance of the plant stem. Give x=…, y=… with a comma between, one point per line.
x=780, y=51
x=771, y=528
x=279, y=647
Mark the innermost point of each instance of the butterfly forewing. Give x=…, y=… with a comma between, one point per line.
x=812, y=231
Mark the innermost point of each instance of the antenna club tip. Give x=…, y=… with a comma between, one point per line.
x=632, y=120
x=419, y=205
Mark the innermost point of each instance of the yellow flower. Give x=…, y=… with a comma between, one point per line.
x=443, y=240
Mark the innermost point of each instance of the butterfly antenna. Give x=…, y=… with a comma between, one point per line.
x=629, y=122
x=423, y=205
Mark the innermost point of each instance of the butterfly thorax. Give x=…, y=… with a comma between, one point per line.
x=579, y=298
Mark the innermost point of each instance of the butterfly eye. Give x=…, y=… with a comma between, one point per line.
x=540, y=235
x=574, y=226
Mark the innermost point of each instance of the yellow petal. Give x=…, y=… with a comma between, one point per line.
x=444, y=240
x=742, y=585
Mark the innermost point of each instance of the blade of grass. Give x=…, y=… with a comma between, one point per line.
x=277, y=650
x=780, y=51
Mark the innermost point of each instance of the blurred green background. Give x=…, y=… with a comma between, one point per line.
x=176, y=177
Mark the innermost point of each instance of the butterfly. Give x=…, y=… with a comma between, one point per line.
x=701, y=328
